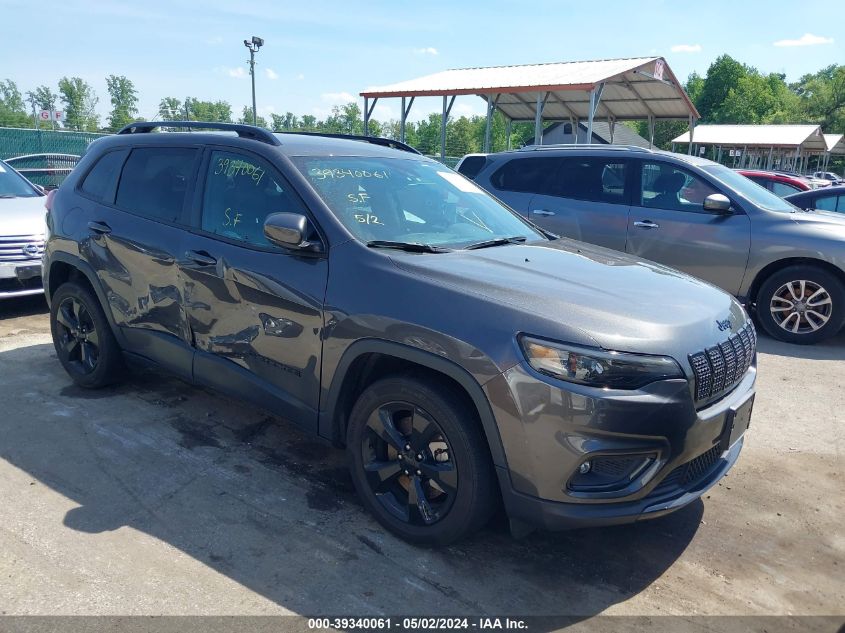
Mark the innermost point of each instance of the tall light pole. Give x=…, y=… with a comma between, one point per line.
x=253, y=45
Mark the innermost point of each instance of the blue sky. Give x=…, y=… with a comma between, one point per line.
x=324, y=52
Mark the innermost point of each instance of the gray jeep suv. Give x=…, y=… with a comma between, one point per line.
x=688, y=213
x=383, y=302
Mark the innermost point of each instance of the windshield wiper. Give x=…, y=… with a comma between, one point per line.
x=411, y=247
x=7, y=195
x=499, y=241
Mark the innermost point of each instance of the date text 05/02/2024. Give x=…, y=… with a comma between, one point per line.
x=422, y=623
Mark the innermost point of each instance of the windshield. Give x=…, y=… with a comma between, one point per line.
x=13, y=185
x=410, y=201
x=750, y=190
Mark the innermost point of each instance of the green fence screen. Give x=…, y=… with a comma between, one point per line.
x=21, y=141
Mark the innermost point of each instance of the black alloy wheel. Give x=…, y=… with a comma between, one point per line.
x=407, y=462
x=83, y=338
x=419, y=458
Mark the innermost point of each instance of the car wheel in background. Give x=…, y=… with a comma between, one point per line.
x=801, y=304
x=83, y=339
x=419, y=460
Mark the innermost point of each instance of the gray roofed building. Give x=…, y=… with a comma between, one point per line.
x=561, y=133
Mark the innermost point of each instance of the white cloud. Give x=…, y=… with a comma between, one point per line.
x=686, y=48
x=337, y=98
x=299, y=77
x=808, y=39
x=238, y=72
x=428, y=50
x=384, y=112
x=271, y=74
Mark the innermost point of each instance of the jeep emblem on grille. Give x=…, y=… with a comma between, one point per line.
x=723, y=325
x=30, y=249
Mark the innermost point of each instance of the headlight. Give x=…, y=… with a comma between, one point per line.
x=597, y=367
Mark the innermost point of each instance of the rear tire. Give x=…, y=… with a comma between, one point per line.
x=83, y=339
x=419, y=460
x=801, y=304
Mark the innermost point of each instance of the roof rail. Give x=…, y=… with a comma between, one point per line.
x=243, y=131
x=595, y=146
x=375, y=140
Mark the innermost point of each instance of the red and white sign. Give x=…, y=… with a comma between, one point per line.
x=659, y=66
x=51, y=115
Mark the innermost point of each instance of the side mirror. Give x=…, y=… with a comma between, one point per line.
x=288, y=230
x=718, y=203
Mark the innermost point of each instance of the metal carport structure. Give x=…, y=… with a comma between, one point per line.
x=639, y=88
x=759, y=146
x=835, y=144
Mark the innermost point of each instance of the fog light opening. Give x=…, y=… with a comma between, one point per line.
x=585, y=468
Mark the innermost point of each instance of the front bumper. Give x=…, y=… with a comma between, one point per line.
x=548, y=431
x=20, y=279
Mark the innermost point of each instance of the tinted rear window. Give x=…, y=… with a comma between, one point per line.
x=591, y=178
x=101, y=180
x=154, y=182
x=524, y=174
x=472, y=165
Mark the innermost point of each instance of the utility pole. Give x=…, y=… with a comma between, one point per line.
x=253, y=45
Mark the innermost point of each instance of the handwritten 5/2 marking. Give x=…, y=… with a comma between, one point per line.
x=367, y=218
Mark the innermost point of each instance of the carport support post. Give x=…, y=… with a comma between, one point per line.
x=447, y=107
x=508, y=132
x=491, y=107
x=691, y=131
x=405, y=112
x=366, y=117
x=651, y=133
x=538, y=120
x=595, y=97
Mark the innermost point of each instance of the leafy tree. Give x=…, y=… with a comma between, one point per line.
x=12, y=107
x=80, y=102
x=124, y=101
x=43, y=98
x=217, y=111
x=171, y=109
x=260, y=121
x=722, y=75
x=308, y=123
x=822, y=96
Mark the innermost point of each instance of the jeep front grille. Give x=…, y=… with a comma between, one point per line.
x=718, y=368
x=21, y=248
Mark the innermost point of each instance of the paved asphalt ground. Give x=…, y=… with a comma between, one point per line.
x=155, y=497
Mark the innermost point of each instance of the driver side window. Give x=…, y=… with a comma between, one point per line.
x=667, y=187
x=240, y=192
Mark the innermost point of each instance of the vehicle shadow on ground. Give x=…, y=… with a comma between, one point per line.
x=23, y=307
x=253, y=498
x=831, y=349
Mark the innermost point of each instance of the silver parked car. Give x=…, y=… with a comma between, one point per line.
x=21, y=234
x=689, y=213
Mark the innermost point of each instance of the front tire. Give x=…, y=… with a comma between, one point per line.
x=83, y=339
x=801, y=304
x=419, y=460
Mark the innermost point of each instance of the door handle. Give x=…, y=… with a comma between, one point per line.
x=200, y=257
x=100, y=228
x=542, y=212
x=646, y=224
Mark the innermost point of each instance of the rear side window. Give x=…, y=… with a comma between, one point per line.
x=155, y=180
x=472, y=165
x=783, y=189
x=100, y=182
x=525, y=174
x=829, y=203
x=591, y=178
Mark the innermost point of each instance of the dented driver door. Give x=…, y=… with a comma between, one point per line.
x=254, y=310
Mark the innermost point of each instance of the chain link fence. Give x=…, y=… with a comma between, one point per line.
x=45, y=157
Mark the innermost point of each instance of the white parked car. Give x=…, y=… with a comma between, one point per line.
x=21, y=234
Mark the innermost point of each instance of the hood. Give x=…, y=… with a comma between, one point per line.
x=22, y=216
x=823, y=219
x=620, y=302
